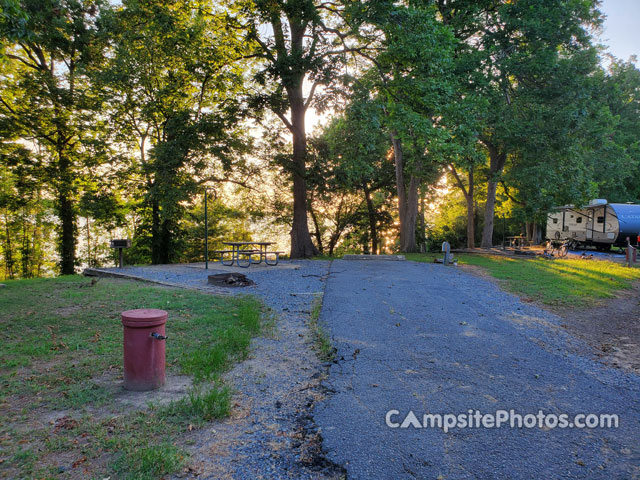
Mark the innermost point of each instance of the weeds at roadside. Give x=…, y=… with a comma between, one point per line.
x=324, y=349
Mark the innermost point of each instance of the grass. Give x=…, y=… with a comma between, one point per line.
x=324, y=349
x=62, y=352
x=561, y=282
x=321, y=256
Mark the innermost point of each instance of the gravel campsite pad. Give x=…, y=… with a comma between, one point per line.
x=433, y=339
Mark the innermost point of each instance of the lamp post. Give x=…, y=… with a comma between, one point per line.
x=206, y=226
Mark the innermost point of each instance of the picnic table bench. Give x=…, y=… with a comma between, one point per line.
x=243, y=254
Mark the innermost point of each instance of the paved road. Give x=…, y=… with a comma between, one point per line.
x=433, y=339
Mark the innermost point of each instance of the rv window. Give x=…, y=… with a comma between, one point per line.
x=555, y=220
x=579, y=220
x=600, y=220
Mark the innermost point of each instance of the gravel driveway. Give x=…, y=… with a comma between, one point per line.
x=433, y=339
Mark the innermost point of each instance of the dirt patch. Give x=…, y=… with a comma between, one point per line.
x=611, y=328
x=175, y=388
x=68, y=311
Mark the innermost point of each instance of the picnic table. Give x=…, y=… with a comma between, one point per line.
x=243, y=254
x=517, y=241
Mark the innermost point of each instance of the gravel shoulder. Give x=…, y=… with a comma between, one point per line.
x=430, y=339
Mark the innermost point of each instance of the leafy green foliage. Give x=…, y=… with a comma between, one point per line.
x=47, y=98
x=113, y=118
x=175, y=92
x=351, y=158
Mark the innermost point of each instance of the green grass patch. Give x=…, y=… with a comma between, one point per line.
x=62, y=351
x=324, y=349
x=326, y=257
x=561, y=282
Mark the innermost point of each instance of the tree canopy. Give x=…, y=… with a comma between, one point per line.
x=114, y=118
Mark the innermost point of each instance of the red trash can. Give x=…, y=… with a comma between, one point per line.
x=144, y=348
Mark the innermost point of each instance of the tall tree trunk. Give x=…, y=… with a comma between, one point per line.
x=497, y=161
x=301, y=244
x=333, y=241
x=166, y=249
x=372, y=221
x=8, y=250
x=67, y=216
x=38, y=234
x=532, y=232
x=316, y=225
x=489, y=213
x=471, y=214
x=471, y=227
x=411, y=219
x=24, y=253
x=156, y=244
x=422, y=223
x=468, y=192
x=407, y=200
x=67, y=241
x=88, y=242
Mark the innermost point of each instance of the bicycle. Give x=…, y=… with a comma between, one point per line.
x=558, y=248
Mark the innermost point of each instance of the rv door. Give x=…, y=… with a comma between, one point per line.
x=590, y=213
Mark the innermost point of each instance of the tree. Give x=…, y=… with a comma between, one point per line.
x=302, y=45
x=467, y=187
x=175, y=93
x=519, y=46
x=415, y=70
x=569, y=139
x=45, y=95
x=621, y=93
x=354, y=157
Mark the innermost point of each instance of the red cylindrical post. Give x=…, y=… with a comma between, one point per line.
x=144, y=348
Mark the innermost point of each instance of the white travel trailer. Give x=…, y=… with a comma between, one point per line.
x=600, y=224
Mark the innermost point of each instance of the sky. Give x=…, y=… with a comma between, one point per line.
x=621, y=29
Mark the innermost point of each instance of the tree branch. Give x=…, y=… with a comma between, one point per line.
x=285, y=120
x=310, y=97
x=458, y=180
x=22, y=60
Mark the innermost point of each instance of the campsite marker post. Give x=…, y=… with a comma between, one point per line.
x=446, y=248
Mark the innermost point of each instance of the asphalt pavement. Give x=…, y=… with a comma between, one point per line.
x=431, y=339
